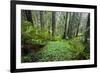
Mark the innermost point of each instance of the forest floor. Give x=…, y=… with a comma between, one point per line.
x=60, y=50
x=72, y=49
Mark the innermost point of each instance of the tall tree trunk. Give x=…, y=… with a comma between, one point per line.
x=66, y=23
x=69, y=32
x=41, y=20
x=79, y=22
x=28, y=15
x=23, y=15
x=53, y=23
x=87, y=33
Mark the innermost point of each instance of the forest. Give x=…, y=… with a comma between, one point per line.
x=54, y=36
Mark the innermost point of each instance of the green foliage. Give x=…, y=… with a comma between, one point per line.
x=54, y=51
x=56, y=48
x=32, y=35
x=27, y=58
x=79, y=48
x=63, y=50
x=76, y=44
x=26, y=28
x=56, y=38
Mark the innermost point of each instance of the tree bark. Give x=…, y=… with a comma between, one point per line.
x=28, y=15
x=69, y=32
x=87, y=33
x=53, y=23
x=66, y=23
x=41, y=20
x=79, y=22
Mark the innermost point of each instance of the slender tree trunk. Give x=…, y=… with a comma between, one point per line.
x=77, y=29
x=41, y=20
x=69, y=32
x=87, y=33
x=28, y=15
x=53, y=23
x=23, y=17
x=79, y=22
x=66, y=23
